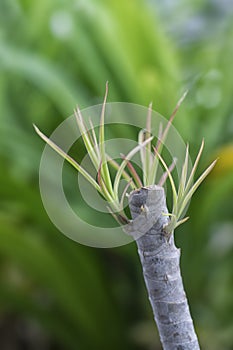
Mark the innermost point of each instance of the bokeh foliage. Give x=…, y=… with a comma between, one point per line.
x=55, y=54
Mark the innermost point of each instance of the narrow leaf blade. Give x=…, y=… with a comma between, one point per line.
x=68, y=158
x=124, y=164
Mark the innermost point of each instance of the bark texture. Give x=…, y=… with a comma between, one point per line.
x=161, y=269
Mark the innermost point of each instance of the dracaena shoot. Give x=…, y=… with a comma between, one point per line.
x=109, y=188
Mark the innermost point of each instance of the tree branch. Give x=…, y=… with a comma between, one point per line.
x=160, y=261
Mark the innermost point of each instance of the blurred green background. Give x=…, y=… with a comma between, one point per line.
x=55, y=293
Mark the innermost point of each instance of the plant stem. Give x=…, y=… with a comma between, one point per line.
x=160, y=262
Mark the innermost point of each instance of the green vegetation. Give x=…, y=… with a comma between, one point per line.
x=55, y=54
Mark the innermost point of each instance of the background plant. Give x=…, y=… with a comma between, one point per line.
x=55, y=54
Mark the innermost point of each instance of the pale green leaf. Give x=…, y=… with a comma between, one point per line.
x=89, y=143
x=174, y=193
x=68, y=158
x=105, y=170
x=124, y=164
x=194, y=168
x=189, y=195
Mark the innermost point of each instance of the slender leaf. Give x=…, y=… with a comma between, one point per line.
x=89, y=143
x=194, y=168
x=124, y=164
x=170, y=178
x=189, y=195
x=68, y=158
x=105, y=171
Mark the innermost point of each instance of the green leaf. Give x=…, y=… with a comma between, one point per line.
x=161, y=140
x=125, y=162
x=182, y=181
x=194, y=168
x=104, y=169
x=189, y=195
x=133, y=172
x=116, y=166
x=174, y=193
x=68, y=158
x=89, y=143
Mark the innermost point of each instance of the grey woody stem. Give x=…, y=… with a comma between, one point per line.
x=160, y=261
